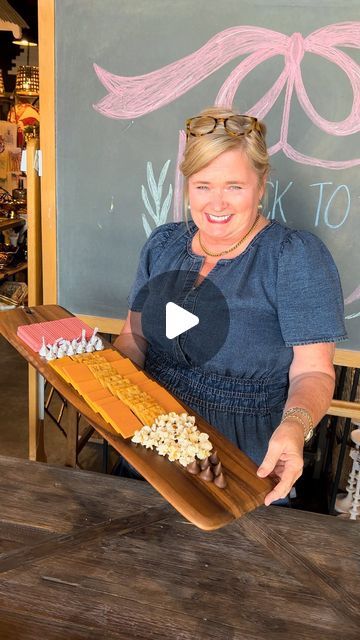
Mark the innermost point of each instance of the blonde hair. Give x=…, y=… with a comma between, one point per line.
x=201, y=150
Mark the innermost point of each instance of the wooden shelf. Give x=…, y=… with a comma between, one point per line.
x=5, y=273
x=11, y=224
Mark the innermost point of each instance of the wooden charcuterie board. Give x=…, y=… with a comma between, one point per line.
x=202, y=503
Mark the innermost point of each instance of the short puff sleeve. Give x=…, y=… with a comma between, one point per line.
x=309, y=295
x=148, y=256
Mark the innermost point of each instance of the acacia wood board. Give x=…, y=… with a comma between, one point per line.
x=202, y=503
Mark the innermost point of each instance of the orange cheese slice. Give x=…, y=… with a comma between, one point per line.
x=59, y=365
x=93, y=397
x=163, y=397
x=120, y=418
x=111, y=355
x=87, y=358
x=89, y=385
x=124, y=366
x=77, y=373
x=138, y=378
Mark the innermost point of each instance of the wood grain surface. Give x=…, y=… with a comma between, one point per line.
x=201, y=502
x=89, y=556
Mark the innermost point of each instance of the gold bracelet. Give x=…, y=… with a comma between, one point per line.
x=308, y=428
x=298, y=419
x=304, y=412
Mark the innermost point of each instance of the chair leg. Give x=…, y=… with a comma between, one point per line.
x=36, y=416
x=105, y=455
x=71, y=436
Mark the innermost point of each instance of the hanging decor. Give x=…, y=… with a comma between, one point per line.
x=10, y=20
x=2, y=87
x=27, y=81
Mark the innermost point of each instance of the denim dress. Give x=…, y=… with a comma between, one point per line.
x=283, y=290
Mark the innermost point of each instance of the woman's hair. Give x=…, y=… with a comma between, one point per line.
x=201, y=150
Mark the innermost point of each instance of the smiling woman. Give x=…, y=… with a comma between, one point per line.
x=272, y=378
x=225, y=178
x=226, y=211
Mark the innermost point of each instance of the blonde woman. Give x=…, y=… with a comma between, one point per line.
x=271, y=380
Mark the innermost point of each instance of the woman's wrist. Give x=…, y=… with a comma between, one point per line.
x=303, y=418
x=294, y=426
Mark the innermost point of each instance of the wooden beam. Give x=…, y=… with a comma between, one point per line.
x=345, y=409
x=36, y=420
x=47, y=143
x=347, y=358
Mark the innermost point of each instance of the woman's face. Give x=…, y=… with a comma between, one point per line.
x=224, y=196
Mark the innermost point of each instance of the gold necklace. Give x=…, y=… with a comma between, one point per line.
x=235, y=246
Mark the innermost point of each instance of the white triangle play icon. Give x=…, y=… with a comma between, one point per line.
x=178, y=320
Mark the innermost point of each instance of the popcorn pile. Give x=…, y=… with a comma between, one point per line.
x=175, y=436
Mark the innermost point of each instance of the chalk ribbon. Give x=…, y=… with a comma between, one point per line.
x=132, y=97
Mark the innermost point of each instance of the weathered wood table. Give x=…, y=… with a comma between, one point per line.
x=85, y=556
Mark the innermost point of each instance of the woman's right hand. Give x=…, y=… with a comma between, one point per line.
x=284, y=459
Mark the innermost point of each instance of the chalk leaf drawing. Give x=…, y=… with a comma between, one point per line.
x=132, y=97
x=159, y=212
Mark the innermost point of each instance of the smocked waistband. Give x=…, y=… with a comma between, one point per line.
x=213, y=390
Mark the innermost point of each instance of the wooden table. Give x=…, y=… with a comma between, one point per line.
x=85, y=556
x=201, y=502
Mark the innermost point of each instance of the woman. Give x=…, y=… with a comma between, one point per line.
x=272, y=379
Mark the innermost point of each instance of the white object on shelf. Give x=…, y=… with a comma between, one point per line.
x=351, y=502
x=23, y=161
x=354, y=511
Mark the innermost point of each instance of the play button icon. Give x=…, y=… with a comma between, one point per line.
x=180, y=317
x=178, y=320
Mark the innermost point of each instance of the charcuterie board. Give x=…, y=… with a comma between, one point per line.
x=202, y=503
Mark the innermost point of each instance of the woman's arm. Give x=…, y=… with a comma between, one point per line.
x=130, y=346
x=312, y=380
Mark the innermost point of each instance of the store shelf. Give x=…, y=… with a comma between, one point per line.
x=5, y=273
x=6, y=223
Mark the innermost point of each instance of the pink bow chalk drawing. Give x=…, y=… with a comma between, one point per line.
x=132, y=97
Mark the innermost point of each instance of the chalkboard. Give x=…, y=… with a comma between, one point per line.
x=296, y=65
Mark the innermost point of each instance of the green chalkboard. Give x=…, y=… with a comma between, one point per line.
x=128, y=74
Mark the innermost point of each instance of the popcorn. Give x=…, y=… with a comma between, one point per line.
x=175, y=436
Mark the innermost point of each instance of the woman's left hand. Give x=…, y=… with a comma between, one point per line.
x=284, y=459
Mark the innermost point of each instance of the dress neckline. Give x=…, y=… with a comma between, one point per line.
x=193, y=229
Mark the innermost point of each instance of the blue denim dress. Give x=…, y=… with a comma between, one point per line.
x=283, y=290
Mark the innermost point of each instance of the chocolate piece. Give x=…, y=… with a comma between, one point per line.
x=214, y=458
x=217, y=469
x=220, y=481
x=193, y=468
x=204, y=464
x=207, y=475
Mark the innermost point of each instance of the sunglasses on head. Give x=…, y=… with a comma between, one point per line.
x=236, y=125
